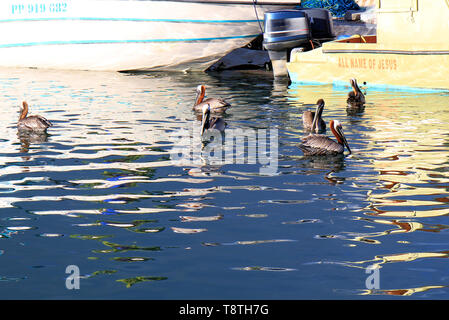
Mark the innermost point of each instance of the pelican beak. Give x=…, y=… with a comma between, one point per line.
x=314, y=122
x=318, y=113
x=197, y=96
x=203, y=124
x=343, y=138
x=354, y=86
x=204, y=120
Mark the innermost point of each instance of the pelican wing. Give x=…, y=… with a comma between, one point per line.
x=217, y=123
x=319, y=144
x=34, y=123
x=353, y=98
x=44, y=121
x=307, y=119
x=217, y=105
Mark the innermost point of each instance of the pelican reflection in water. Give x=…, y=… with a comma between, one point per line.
x=217, y=105
x=312, y=121
x=319, y=144
x=33, y=123
x=356, y=99
x=27, y=138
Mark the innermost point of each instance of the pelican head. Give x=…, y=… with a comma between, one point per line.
x=200, y=92
x=355, y=86
x=205, y=118
x=337, y=130
x=318, y=113
x=199, y=88
x=24, y=110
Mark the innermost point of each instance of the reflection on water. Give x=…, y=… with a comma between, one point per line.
x=101, y=191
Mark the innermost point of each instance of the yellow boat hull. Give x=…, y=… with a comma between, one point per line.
x=374, y=66
x=410, y=49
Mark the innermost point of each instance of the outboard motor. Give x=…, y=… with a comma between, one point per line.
x=288, y=29
x=284, y=30
x=321, y=26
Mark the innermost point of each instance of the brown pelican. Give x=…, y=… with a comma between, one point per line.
x=31, y=123
x=312, y=121
x=211, y=123
x=319, y=144
x=217, y=105
x=356, y=99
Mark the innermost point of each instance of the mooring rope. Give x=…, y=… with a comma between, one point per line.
x=257, y=15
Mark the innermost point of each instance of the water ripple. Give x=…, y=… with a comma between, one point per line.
x=101, y=191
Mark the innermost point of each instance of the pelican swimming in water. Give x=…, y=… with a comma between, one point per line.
x=208, y=122
x=31, y=123
x=217, y=105
x=319, y=144
x=312, y=121
x=356, y=99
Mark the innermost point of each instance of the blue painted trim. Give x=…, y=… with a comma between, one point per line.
x=310, y=83
x=68, y=42
x=339, y=85
x=130, y=20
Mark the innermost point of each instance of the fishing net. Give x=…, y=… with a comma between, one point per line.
x=338, y=8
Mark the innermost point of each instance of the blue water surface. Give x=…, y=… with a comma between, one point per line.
x=103, y=193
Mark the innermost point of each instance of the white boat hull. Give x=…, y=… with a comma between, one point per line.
x=125, y=35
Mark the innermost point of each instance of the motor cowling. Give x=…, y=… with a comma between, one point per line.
x=285, y=29
x=293, y=28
